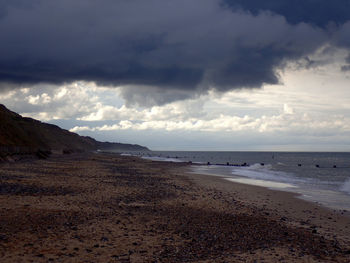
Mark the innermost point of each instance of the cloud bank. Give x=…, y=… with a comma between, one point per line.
x=175, y=49
x=319, y=13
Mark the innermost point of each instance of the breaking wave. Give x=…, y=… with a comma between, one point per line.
x=265, y=172
x=346, y=186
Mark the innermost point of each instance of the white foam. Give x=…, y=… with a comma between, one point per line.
x=162, y=159
x=265, y=172
x=126, y=154
x=346, y=186
x=264, y=183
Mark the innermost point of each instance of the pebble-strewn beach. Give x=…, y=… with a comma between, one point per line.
x=110, y=208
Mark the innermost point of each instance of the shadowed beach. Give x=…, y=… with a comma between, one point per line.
x=111, y=208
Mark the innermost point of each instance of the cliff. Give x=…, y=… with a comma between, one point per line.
x=19, y=134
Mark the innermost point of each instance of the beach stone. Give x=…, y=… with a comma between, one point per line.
x=104, y=239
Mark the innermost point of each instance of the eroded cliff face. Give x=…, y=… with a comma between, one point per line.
x=19, y=134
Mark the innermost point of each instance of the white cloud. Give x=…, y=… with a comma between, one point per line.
x=287, y=109
x=38, y=99
x=287, y=122
x=33, y=99
x=81, y=128
x=312, y=103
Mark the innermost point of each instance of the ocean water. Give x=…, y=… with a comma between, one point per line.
x=322, y=177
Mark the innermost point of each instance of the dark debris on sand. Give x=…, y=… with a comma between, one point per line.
x=209, y=234
x=103, y=208
x=22, y=189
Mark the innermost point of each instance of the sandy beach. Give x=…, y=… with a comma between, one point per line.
x=110, y=208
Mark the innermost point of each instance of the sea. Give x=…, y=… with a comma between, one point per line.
x=320, y=177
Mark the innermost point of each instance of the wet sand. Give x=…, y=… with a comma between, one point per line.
x=108, y=208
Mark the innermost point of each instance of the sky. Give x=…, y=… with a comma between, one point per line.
x=245, y=75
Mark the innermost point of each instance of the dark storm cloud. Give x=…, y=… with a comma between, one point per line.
x=183, y=45
x=317, y=12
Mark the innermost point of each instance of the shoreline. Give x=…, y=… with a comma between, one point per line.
x=330, y=198
x=111, y=208
x=278, y=202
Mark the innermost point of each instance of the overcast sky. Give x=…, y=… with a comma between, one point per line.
x=183, y=74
